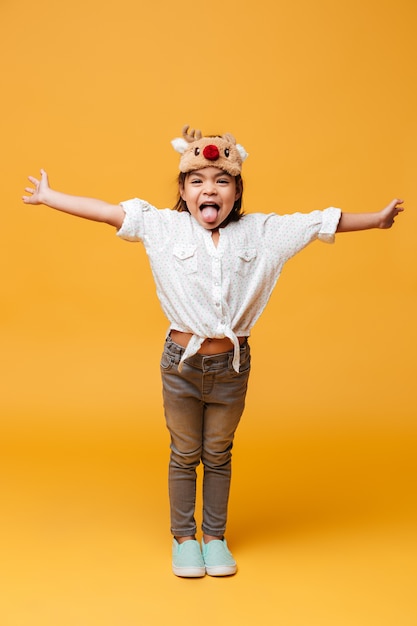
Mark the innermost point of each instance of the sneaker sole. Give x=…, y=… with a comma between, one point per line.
x=189, y=572
x=221, y=570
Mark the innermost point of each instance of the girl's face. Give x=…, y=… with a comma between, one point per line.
x=210, y=194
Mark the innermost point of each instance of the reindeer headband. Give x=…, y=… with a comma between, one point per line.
x=198, y=152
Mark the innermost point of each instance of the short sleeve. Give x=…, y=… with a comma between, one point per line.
x=133, y=228
x=329, y=223
x=286, y=235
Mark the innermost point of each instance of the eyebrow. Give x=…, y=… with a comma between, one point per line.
x=201, y=173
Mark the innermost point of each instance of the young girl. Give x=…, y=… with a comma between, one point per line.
x=214, y=270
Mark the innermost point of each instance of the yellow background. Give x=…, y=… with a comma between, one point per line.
x=322, y=515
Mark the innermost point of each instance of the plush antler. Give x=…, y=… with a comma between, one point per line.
x=229, y=137
x=193, y=135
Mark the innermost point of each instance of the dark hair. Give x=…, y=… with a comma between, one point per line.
x=235, y=214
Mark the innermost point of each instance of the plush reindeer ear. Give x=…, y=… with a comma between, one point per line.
x=243, y=154
x=179, y=144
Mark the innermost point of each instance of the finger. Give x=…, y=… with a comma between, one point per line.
x=33, y=180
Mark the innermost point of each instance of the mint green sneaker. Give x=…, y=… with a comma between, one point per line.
x=218, y=558
x=187, y=560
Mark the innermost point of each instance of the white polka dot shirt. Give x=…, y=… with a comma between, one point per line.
x=217, y=292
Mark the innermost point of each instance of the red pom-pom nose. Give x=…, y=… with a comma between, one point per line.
x=211, y=152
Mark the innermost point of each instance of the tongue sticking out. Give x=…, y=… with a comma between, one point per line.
x=209, y=214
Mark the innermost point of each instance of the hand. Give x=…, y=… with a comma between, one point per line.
x=388, y=215
x=40, y=190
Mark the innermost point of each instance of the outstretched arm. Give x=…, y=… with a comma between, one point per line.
x=88, y=208
x=363, y=221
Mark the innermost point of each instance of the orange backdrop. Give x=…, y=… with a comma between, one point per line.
x=323, y=96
